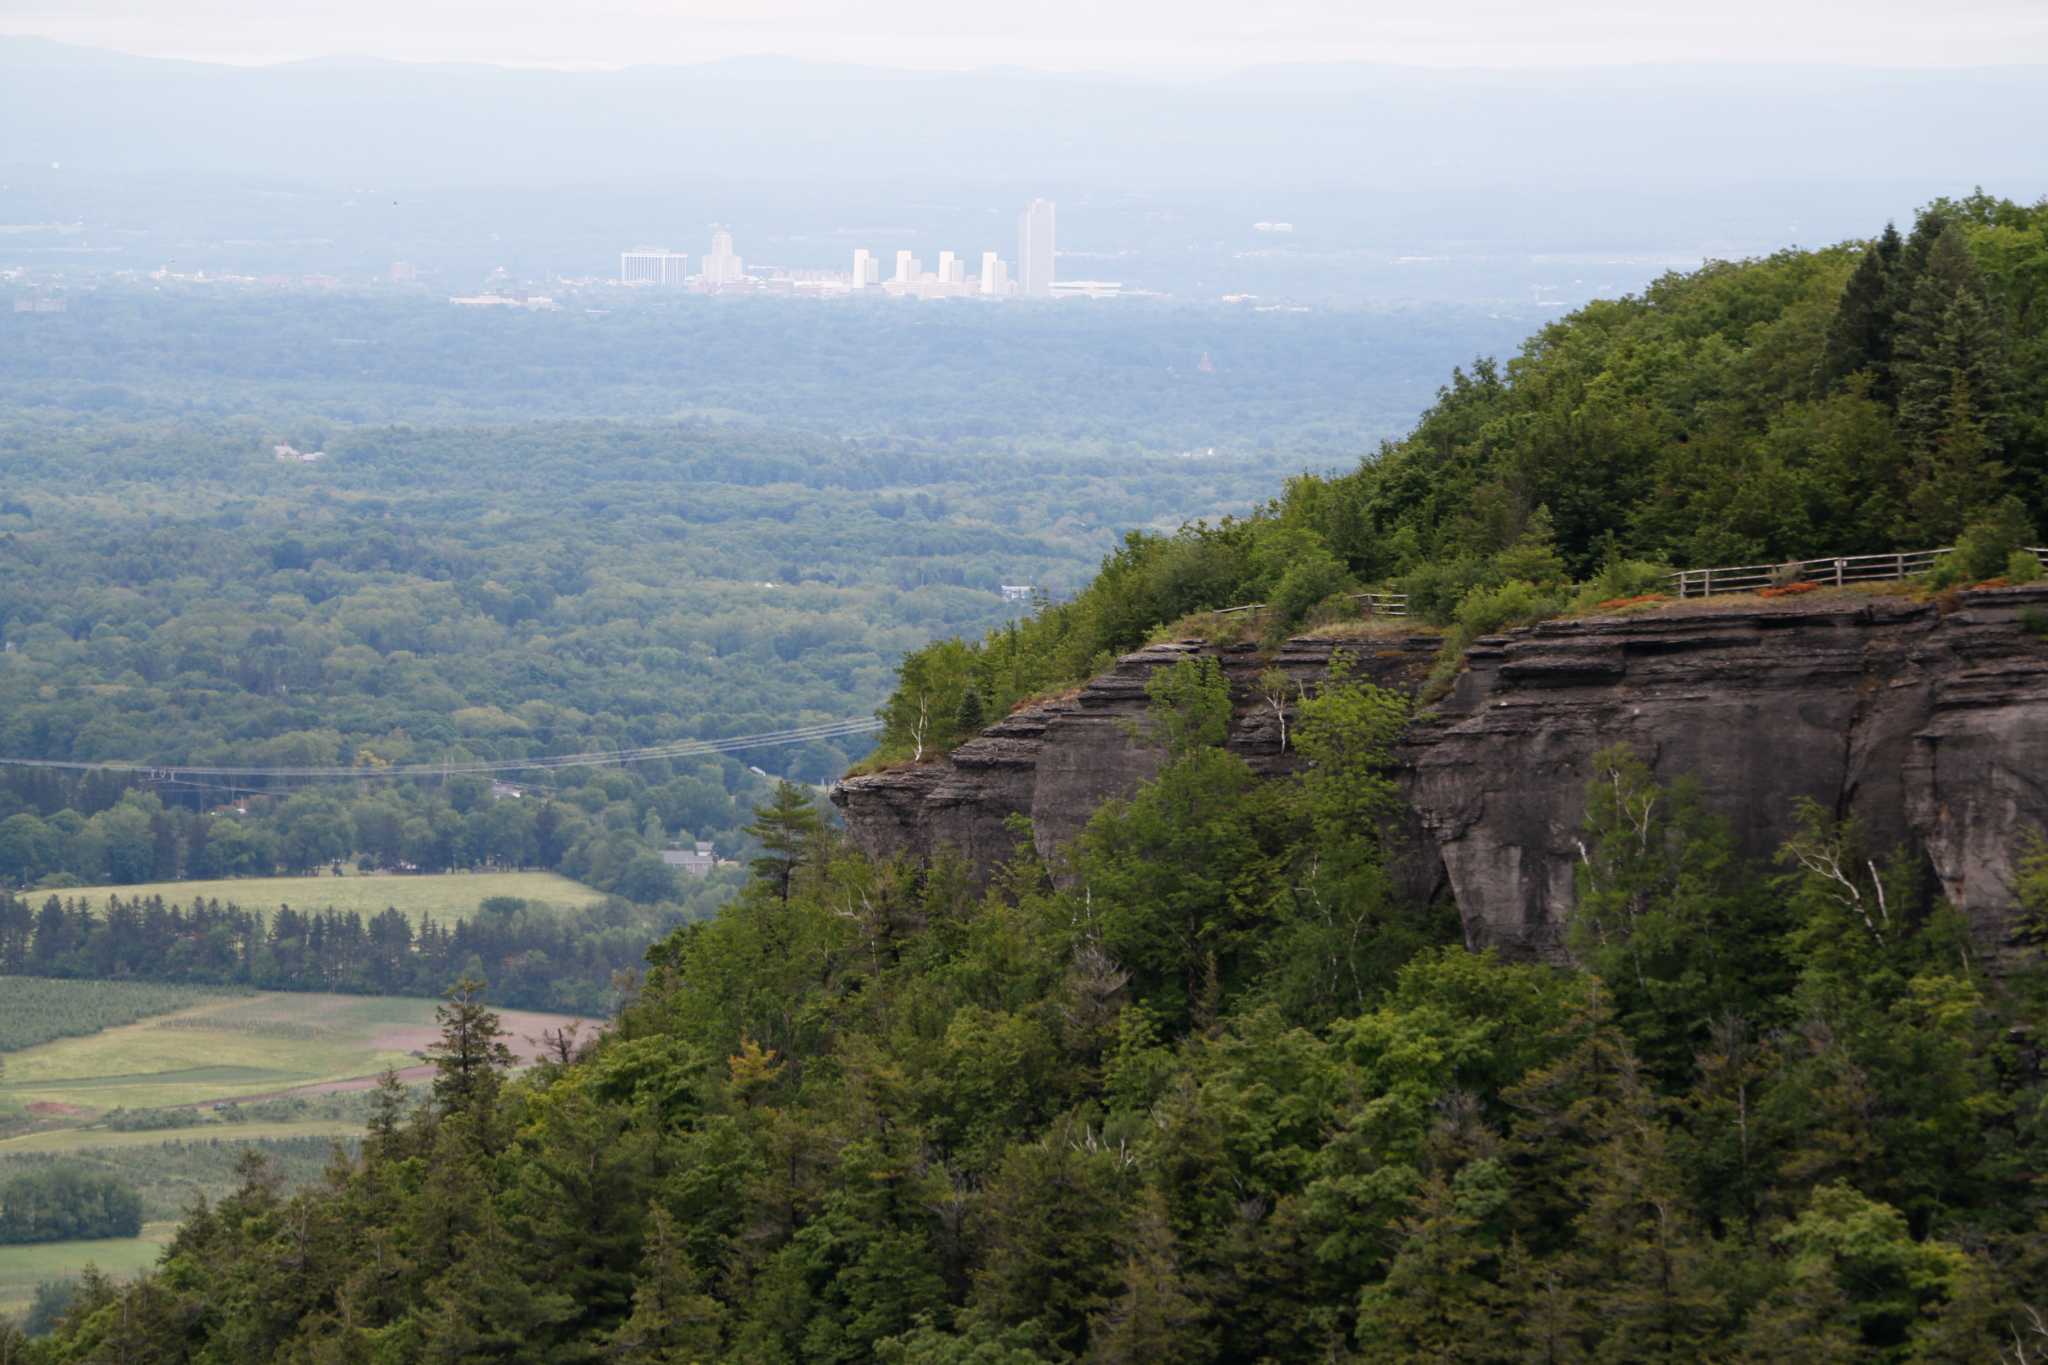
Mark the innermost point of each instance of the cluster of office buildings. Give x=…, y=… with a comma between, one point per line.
x=954, y=275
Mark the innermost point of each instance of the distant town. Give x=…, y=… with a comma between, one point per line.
x=1031, y=273
x=722, y=270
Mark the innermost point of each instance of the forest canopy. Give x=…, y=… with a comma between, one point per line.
x=1868, y=397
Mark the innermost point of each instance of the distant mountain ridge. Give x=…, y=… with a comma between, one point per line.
x=1345, y=125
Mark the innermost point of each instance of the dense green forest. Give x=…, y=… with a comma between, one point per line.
x=1220, y=1094
x=172, y=593
x=1864, y=398
x=1226, y=1100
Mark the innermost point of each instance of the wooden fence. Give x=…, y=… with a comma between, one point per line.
x=1374, y=603
x=1834, y=571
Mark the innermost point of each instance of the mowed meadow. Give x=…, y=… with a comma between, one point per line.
x=263, y=1044
x=165, y=1087
x=447, y=896
x=22, y=1268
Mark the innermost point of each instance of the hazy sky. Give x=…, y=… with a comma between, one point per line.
x=1155, y=36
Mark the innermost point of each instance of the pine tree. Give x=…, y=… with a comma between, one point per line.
x=1805, y=1319
x=1911, y=261
x=487, y=1308
x=1544, y=1317
x=673, y=1319
x=1154, y=1320
x=1642, y=1256
x=1954, y=477
x=470, y=1060
x=1860, y=337
x=1436, y=1302
x=967, y=721
x=1949, y=330
x=386, y=1139
x=786, y=828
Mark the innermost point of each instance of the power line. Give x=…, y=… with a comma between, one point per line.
x=838, y=729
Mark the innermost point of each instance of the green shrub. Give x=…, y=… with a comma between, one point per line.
x=2023, y=566
x=1314, y=577
x=1435, y=590
x=1486, y=610
x=1623, y=578
x=1985, y=548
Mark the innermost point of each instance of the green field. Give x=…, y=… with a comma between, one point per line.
x=221, y=1048
x=251, y=1045
x=448, y=897
x=68, y=1140
x=22, y=1268
x=35, y=1009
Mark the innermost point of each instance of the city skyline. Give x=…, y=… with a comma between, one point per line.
x=722, y=267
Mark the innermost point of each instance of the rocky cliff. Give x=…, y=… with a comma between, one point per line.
x=1927, y=723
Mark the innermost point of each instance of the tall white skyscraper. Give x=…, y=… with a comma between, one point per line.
x=866, y=269
x=720, y=265
x=995, y=276
x=1034, y=249
x=908, y=268
x=949, y=268
x=651, y=265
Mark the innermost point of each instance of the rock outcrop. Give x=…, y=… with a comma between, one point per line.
x=1928, y=724
x=1056, y=761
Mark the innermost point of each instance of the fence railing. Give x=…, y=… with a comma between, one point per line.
x=1834, y=570
x=1375, y=604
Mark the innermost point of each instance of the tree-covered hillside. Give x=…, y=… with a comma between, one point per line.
x=1225, y=1099
x=1217, y=1093
x=1864, y=398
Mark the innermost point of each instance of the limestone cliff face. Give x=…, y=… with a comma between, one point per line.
x=1056, y=762
x=1931, y=727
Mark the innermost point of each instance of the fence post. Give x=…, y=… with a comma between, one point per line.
x=1838, y=573
x=1899, y=565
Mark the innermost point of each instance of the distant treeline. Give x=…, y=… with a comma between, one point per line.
x=535, y=957
x=601, y=828
x=63, y=1203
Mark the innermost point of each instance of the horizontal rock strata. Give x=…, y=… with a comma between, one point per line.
x=1927, y=723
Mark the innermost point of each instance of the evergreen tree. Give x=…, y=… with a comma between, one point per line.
x=486, y=1307
x=967, y=720
x=1860, y=336
x=1154, y=1321
x=787, y=828
x=1436, y=1302
x=673, y=1321
x=470, y=1058
x=1950, y=354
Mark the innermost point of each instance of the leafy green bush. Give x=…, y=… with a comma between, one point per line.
x=2023, y=566
x=1435, y=589
x=1622, y=578
x=1487, y=610
x=1987, y=546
